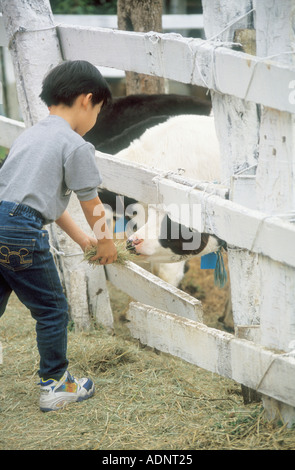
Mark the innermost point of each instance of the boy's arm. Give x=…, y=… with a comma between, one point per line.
x=67, y=224
x=95, y=215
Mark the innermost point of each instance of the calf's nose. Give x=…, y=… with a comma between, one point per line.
x=130, y=246
x=132, y=243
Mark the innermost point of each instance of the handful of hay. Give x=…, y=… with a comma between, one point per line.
x=124, y=255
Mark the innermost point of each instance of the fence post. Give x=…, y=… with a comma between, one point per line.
x=237, y=126
x=275, y=189
x=35, y=49
x=238, y=137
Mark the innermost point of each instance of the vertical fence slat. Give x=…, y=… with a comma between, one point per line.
x=237, y=126
x=275, y=173
x=275, y=189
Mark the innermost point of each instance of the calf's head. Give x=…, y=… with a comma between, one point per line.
x=161, y=240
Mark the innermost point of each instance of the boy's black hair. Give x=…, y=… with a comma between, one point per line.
x=65, y=82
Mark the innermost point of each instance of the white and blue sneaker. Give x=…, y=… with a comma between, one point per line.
x=56, y=394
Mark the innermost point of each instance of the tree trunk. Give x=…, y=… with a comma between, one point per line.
x=141, y=16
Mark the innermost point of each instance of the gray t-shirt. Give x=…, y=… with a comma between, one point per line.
x=45, y=164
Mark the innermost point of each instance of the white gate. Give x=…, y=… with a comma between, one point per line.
x=253, y=103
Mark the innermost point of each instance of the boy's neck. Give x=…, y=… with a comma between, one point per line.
x=81, y=115
x=64, y=112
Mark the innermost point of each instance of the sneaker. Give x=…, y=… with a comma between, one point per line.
x=55, y=394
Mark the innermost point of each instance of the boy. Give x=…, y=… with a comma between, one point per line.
x=45, y=164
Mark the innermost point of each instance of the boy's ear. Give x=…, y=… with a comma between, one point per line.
x=89, y=98
x=86, y=99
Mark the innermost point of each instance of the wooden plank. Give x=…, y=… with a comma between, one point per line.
x=249, y=332
x=275, y=178
x=249, y=229
x=222, y=22
x=140, y=182
x=169, y=22
x=127, y=178
x=9, y=131
x=243, y=190
x=91, y=299
x=245, y=286
x=237, y=127
x=144, y=287
x=198, y=62
x=3, y=35
x=34, y=50
x=239, y=226
x=247, y=363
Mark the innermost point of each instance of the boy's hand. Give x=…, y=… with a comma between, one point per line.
x=87, y=242
x=95, y=215
x=106, y=251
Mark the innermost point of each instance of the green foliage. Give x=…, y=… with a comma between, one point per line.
x=3, y=153
x=84, y=7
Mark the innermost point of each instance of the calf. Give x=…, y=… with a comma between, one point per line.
x=189, y=144
x=186, y=143
x=127, y=118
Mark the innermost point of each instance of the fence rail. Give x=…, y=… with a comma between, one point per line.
x=199, y=62
x=10, y=129
x=173, y=22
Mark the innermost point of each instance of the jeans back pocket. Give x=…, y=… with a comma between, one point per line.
x=16, y=254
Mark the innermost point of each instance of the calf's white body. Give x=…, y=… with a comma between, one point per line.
x=185, y=144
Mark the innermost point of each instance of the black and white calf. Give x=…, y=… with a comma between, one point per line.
x=139, y=128
x=187, y=144
x=126, y=118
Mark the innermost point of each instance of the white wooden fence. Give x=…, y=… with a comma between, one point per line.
x=253, y=107
x=171, y=22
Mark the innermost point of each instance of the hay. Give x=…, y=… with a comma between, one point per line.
x=124, y=255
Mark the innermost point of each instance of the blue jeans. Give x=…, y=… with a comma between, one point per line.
x=27, y=268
